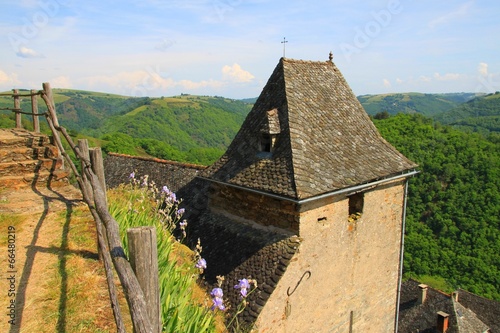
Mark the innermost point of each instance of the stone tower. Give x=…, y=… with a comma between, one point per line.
x=309, y=199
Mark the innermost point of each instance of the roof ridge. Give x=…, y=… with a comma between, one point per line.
x=305, y=61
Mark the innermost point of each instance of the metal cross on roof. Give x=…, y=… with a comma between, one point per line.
x=283, y=42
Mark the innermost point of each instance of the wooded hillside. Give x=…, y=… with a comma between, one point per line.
x=453, y=227
x=453, y=217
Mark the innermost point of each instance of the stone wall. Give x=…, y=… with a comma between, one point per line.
x=346, y=273
x=255, y=207
x=118, y=167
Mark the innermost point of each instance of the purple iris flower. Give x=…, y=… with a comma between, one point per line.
x=165, y=189
x=217, y=292
x=217, y=295
x=180, y=212
x=243, y=285
x=202, y=264
x=132, y=175
x=218, y=303
x=172, y=198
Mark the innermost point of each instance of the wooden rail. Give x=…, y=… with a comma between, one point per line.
x=109, y=241
x=18, y=110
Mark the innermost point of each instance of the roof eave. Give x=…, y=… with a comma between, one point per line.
x=350, y=189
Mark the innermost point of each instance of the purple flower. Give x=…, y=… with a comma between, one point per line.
x=132, y=175
x=183, y=224
x=243, y=285
x=218, y=304
x=217, y=292
x=217, y=295
x=165, y=189
x=179, y=212
x=201, y=264
x=171, y=197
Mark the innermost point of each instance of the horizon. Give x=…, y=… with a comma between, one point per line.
x=230, y=47
x=477, y=94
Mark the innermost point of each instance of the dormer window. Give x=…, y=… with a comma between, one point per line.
x=269, y=131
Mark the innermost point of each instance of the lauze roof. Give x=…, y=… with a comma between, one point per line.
x=323, y=139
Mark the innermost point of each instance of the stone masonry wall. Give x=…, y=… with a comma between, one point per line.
x=345, y=276
x=117, y=169
x=258, y=208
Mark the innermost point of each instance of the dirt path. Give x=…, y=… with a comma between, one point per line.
x=56, y=283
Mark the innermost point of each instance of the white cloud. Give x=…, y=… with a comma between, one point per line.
x=191, y=85
x=453, y=15
x=447, y=76
x=483, y=69
x=145, y=83
x=399, y=81
x=8, y=81
x=424, y=78
x=387, y=83
x=61, y=82
x=236, y=74
x=25, y=52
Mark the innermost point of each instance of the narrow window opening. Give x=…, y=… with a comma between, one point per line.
x=356, y=202
x=265, y=143
x=322, y=219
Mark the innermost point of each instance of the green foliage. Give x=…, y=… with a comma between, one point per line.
x=453, y=216
x=118, y=143
x=7, y=121
x=134, y=207
x=426, y=104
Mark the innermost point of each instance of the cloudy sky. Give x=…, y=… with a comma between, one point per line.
x=230, y=47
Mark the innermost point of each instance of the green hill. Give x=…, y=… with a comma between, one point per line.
x=187, y=128
x=481, y=114
x=426, y=104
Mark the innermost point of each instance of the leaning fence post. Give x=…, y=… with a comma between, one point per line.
x=51, y=107
x=83, y=145
x=34, y=111
x=143, y=256
x=17, y=107
x=98, y=166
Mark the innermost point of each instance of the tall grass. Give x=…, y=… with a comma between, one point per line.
x=134, y=206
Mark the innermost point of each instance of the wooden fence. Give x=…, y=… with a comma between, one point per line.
x=145, y=315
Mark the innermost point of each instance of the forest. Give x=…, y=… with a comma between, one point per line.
x=453, y=216
x=453, y=219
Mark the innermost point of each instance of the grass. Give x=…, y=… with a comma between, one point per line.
x=77, y=280
x=7, y=220
x=180, y=311
x=64, y=283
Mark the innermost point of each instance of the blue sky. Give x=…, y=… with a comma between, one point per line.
x=230, y=47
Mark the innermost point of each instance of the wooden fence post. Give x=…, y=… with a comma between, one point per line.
x=98, y=166
x=17, y=105
x=83, y=145
x=143, y=257
x=50, y=103
x=34, y=110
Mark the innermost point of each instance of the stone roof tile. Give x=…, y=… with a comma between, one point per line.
x=326, y=140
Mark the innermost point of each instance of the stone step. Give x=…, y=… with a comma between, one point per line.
x=56, y=178
x=20, y=168
x=18, y=137
x=23, y=153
